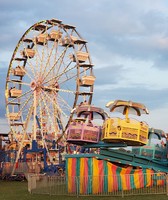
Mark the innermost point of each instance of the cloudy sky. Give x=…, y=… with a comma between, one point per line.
x=127, y=41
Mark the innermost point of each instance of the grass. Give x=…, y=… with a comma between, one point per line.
x=15, y=190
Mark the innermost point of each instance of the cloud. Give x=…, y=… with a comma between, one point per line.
x=4, y=125
x=108, y=74
x=3, y=72
x=153, y=99
x=127, y=40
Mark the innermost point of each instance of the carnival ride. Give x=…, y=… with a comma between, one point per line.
x=49, y=89
x=148, y=145
x=49, y=74
x=82, y=129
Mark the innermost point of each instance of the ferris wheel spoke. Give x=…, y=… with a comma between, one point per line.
x=41, y=124
x=51, y=100
x=23, y=83
x=38, y=59
x=26, y=72
x=63, y=102
x=31, y=68
x=19, y=82
x=72, y=77
x=41, y=111
x=26, y=102
x=62, y=73
x=54, y=124
x=45, y=88
x=59, y=66
x=62, y=62
x=57, y=119
x=29, y=114
x=55, y=45
x=42, y=133
x=64, y=68
x=56, y=51
x=41, y=64
x=66, y=79
x=47, y=110
x=56, y=62
x=41, y=129
x=62, y=54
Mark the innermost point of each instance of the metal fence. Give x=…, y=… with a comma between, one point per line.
x=98, y=186
x=42, y=184
x=20, y=171
x=21, y=167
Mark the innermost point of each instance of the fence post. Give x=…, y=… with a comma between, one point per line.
x=77, y=186
x=49, y=181
x=29, y=183
x=167, y=184
x=122, y=191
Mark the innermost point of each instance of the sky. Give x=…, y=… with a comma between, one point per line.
x=127, y=41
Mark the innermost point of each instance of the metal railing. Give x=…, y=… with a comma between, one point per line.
x=122, y=185
x=42, y=184
x=21, y=167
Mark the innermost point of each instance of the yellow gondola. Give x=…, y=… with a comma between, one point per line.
x=130, y=131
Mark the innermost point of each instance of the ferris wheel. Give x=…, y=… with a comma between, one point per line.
x=49, y=74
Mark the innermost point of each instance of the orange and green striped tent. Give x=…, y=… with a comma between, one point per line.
x=89, y=175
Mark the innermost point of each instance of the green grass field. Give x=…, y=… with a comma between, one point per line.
x=18, y=191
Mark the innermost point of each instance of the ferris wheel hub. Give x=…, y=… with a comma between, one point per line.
x=33, y=85
x=36, y=85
